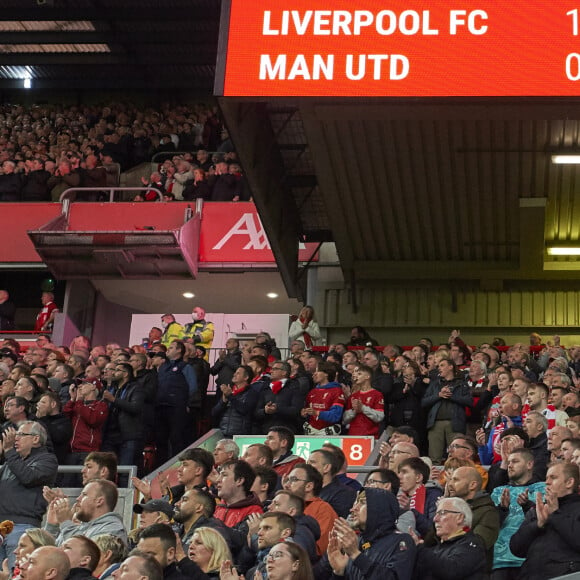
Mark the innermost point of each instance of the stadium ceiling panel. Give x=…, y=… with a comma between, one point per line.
x=89, y=44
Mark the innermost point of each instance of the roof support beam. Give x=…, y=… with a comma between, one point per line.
x=253, y=136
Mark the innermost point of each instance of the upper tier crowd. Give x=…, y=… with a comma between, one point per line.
x=47, y=149
x=477, y=473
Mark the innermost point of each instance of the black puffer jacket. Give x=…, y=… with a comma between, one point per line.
x=553, y=550
x=386, y=554
x=459, y=558
x=234, y=416
x=289, y=402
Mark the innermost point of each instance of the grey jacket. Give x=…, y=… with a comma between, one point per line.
x=21, y=483
x=109, y=523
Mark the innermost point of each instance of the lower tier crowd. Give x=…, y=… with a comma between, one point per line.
x=476, y=477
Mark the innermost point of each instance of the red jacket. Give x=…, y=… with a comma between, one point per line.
x=287, y=465
x=88, y=419
x=233, y=514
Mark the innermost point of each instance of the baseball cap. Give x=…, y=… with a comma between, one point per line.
x=154, y=505
x=6, y=352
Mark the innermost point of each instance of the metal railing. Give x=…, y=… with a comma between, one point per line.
x=129, y=469
x=66, y=195
x=170, y=154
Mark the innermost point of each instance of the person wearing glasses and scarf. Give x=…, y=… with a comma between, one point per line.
x=459, y=554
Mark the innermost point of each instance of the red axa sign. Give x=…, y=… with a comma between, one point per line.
x=233, y=233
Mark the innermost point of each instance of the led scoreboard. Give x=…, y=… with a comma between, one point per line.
x=370, y=48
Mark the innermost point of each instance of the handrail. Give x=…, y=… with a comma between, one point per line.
x=112, y=190
x=170, y=154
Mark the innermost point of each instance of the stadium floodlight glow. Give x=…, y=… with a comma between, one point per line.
x=563, y=251
x=272, y=295
x=188, y=295
x=27, y=83
x=566, y=159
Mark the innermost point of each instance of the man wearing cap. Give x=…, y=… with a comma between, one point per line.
x=8, y=357
x=155, y=511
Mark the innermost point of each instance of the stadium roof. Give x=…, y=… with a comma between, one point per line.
x=109, y=44
x=430, y=189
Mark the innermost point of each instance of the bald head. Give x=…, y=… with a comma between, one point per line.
x=401, y=451
x=46, y=563
x=464, y=483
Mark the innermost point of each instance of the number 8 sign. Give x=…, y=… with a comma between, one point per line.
x=357, y=450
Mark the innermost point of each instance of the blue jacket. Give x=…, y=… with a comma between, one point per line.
x=502, y=555
x=176, y=383
x=461, y=397
x=486, y=451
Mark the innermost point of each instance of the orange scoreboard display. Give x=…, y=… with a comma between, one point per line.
x=365, y=48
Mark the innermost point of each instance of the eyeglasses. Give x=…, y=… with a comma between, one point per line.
x=373, y=482
x=441, y=513
x=276, y=555
x=277, y=369
x=398, y=452
x=457, y=446
x=294, y=479
x=24, y=435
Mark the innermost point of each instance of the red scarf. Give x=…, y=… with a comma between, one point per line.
x=307, y=338
x=418, y=499
x=237, y=390
x=276, y=386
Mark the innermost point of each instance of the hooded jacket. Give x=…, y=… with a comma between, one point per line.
x=385, y=553
x=233, y=514
x=109, y=523
x=286, y=463
x=88, y=418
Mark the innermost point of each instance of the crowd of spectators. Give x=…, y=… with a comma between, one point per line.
x=47, y=149
x=477, y=475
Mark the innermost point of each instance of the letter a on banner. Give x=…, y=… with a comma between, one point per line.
x=248, y=225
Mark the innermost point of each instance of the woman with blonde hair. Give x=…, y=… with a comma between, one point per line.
x=285, y=561
x=209, y=551
x=31, y=539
